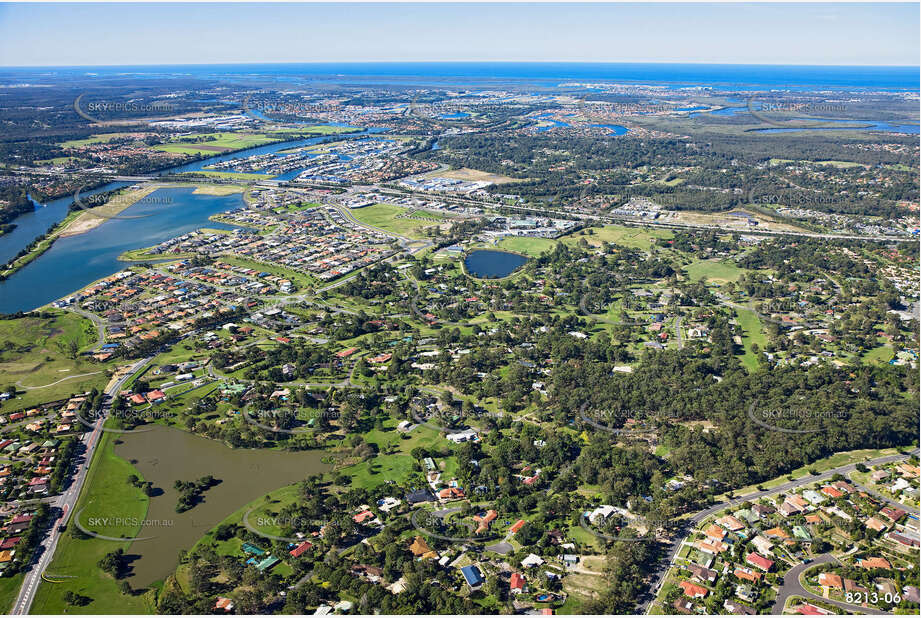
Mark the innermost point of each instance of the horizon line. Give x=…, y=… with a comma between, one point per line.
x=346, y=62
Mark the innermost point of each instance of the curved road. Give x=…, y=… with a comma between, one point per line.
x=691, y=524
x=792, y=587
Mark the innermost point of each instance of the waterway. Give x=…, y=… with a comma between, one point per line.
x=33, y=224
x=488, y=264
x=858, y=125
x=76, y=261
x=165, y=455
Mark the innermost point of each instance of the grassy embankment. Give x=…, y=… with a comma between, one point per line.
x=106, y=494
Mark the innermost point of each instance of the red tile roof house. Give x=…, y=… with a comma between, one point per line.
x=10, y=543
x=516, y=526
x=747, y=574
x=756, y=560
x=451, y=493
x=693, y=591
x=20, y=520
x=892, y=514
x=807, y=609
x=874, y=563
x=360, y=517
x=38, y=485
x=517, y=584
x=485, y=520
x=831, y=580
x=300, y=549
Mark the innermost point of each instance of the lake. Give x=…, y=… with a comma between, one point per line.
x=30, y=225
x=165, y=455
x=489, y=264
x=615, y=129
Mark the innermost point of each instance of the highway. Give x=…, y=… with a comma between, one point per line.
x=691, y=523
x=66, y=502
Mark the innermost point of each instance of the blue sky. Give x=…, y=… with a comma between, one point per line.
x=117, y=34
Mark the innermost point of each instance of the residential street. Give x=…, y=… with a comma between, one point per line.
x=791, y=587
x=694, y=521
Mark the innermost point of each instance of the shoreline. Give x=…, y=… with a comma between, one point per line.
x=54, y=232
x=67, y=227
x=89, y=219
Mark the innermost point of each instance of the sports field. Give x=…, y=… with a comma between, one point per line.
x=532, y=247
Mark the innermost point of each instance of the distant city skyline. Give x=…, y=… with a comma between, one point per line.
x=215, y=33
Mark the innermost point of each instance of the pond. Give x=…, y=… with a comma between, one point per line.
x=165, y=455
x=488, y=264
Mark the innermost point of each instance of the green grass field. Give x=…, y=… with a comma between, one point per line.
x=93, y=139
x=380, y=469
x=633, y=237
x=751, y=327
x=713, y=271
x=9, y=590
x=428, y=214
x=385, y=217
x=107, y=494
x=880, y=354
x=532, y=247
x=35, y=358
x=215, y=143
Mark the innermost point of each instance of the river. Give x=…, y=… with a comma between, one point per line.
x=76, y=261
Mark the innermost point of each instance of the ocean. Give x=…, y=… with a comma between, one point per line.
x=732, y=76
